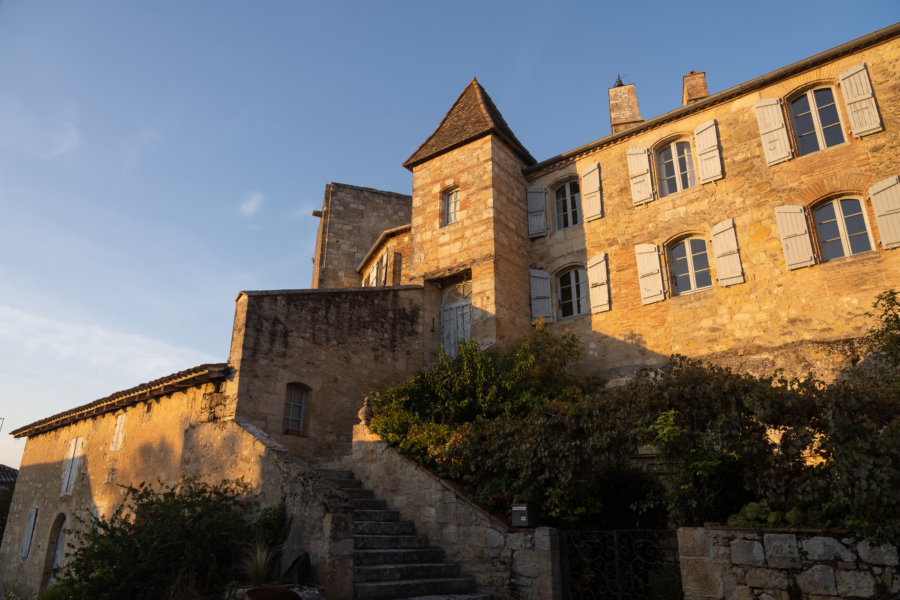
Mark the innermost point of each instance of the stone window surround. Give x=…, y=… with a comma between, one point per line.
x=670, y=246
x=809, y=91
x=841, y=221
x=673, y=143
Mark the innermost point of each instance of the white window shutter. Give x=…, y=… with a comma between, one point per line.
x=885, y=196
x=774, y=134
x=71, y=465
x=639, y=171
x=118, y=434
x=795, y=240
x=649, y=273
x=29, y=533
x=541, y=306
x=598, y=279
x=728, y=257
x=860, y=100
x=709, y=158
x=537, y=211
x=591, y=194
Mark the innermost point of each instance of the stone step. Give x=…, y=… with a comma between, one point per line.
x=359, y=494
x=383, y=527
x=369, y=504
x=345, y=484
x=376, y=515
x=392, y=590
x=335, y=473
x=372, y=542
x=395, y=556
x=405, y=571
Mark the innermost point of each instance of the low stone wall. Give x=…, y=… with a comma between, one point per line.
x=506, y=562
x=767, y=564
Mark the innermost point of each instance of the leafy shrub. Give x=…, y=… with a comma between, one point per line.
x=182, y=541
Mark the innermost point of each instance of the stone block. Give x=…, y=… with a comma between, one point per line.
x=826, y=548
x=818, y=579
x=741, y=593
x=701, y=578
x=693, y=541
x=858, y=584
x=767, y=578
x=747, y=552
x=885, y=554
x=782, y=551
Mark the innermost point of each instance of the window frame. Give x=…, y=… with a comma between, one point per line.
x=569, y=206
x=580, y=296
x=814, y=111
x=692, y=271
x=289, y=404
x=672, y=145
x=449, y=206
x=456, y=305
x=841, y=223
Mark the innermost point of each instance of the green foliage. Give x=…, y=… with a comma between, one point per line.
x=885, y=337
x=181, y=541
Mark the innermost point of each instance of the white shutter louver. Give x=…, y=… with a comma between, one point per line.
x=885, y=196
x=71, y=464
x=860, y=100
x=728, y=257
x=774, y=134
x=591, y=194
x=709, y=158
x=649, y=273
x=639, y=172
x=537, y=211
x=795, y=240
x=29, y=533
x=598, y=280
x=541, y=306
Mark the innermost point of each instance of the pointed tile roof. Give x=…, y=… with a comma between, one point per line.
x=472, y=116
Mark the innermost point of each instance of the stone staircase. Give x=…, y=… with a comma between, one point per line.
x=391, y=561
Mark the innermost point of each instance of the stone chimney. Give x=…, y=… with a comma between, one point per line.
x=694, y=87
x=623, y=107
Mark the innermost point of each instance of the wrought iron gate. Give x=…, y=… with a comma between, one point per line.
x=621, y=565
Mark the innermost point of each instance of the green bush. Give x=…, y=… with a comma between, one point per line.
x=181, y=541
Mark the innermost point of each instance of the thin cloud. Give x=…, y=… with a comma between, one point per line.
x=70, y=137
x=252, y=203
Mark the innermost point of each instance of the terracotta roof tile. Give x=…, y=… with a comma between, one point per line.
x=472, y=116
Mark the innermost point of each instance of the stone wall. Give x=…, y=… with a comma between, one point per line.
x=352, y=220
x=774, y=306
x=506, y=562
x=747, y=564
x=339, y=344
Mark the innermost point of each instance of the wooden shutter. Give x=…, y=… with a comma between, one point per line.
x=118, y=433
x=860, y=100
x=598, y=280
x=71, y=464
x=639, y=171
x=649, y=273
x=885, y=196
x=709, y=158
x=725, y=250
x=537, y=212
x=29, y=533
x=591, y=194
x=774, y=134
x=795, y=241
x=541, y=306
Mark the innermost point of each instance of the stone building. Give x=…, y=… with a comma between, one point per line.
x=752, y=227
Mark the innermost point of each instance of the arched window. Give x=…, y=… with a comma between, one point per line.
x=568, y=205
x=689, y=266
x=450, y=206
x=816, y=122
x=56, y=548
x=841, y=228
x=295, y=409
x=456, y=317
x=675, y=167
x=572, y=293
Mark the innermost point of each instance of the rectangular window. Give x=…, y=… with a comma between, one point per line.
x=71, y=465
x=29, y=533
x=294, y=409
x=451, y=206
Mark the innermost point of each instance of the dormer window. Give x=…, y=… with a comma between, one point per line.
x=816, y=122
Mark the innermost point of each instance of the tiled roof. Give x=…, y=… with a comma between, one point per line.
x=152, y=389
x=472, y=116
x=8, y=474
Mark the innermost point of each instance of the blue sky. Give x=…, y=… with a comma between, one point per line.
x=158, y=157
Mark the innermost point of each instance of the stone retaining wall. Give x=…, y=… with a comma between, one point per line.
x=768, y=564
x=506, y=562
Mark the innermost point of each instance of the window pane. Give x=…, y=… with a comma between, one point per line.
x=704, y=279
x=698, y=250
x=680, y=270
x=804, y=126
x=855, y=224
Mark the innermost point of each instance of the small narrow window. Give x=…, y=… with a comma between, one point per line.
x=55, y=550
x=294, y=409
x=29, y=533
x=118, y=434
x=450, y=207
x=573, y=293
x=816, y=122
x=689, y=266
x=841, y=228
x=568, y=209
x=676, y=168
x=71, y=465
